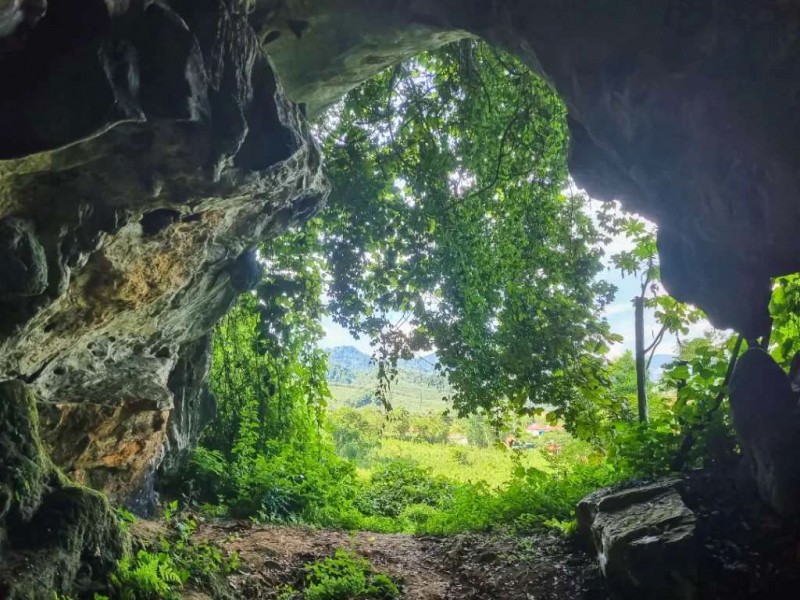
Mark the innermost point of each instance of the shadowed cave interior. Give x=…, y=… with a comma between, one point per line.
x=148, y=147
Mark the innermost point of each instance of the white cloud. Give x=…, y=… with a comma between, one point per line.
x=618, y=309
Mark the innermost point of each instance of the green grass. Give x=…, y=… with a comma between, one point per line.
x=462, y=464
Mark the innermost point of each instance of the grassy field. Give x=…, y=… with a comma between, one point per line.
x=405, y=393
x=464, y=464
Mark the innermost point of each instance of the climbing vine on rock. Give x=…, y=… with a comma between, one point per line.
x=268, y=374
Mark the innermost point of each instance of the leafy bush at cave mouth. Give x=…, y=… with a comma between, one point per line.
x=291, y=485
x=159, y=570
x=343, y=576
x=399, y=484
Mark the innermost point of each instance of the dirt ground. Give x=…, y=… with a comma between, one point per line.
x=744, y=552
x=467, y=567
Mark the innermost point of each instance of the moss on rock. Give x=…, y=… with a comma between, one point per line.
x=27, y=471
x=54, y=536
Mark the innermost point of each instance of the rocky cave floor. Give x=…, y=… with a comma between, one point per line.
x=745, y=552
x=467, y=567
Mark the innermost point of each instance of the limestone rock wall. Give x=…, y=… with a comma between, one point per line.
x=54, y=535
x=145, y=149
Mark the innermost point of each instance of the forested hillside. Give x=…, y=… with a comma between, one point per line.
x=353, y=381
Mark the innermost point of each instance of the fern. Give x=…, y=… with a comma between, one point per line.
x=158, y=573
x=150, y=576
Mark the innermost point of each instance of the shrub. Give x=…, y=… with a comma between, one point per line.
x=291, y=485
x=532, y=501
x=432, y=428
x=158, y=572
x=355, y=432
x=294, y=485
x=344, y=576
x=644, y=449
x=399, y=484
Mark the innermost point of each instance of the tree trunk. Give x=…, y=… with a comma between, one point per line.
x=641, y=368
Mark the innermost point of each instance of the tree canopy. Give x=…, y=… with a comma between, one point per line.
x=450, y=227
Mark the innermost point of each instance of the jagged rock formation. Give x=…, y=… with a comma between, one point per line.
x=766, y=416
x=51, y=531
x=145, y=150
x=645, y=541
x=146, y=147
x=142, y=162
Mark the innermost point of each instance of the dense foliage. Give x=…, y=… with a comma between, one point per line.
x=267, y=371
x=448, y=225
x=343, y=576
x=449, y=228
x=785, y=311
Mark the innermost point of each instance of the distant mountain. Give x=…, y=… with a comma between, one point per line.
x=353, y=359
x=349, y=357
x=421, y=364
x=353, y=380
x=346, y=364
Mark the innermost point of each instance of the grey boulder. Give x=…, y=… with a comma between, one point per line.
x=645, y=541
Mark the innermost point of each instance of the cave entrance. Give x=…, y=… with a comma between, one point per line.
x=455, y=242
x=130, y=209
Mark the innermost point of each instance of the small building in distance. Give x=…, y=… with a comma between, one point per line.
x=458, y=439
x=538, y=429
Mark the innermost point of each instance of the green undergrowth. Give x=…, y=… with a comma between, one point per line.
x=321, y=489
x=493, y=465
x=343, y=576
x=162, y=569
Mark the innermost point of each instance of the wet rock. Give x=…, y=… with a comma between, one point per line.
x=129, y=212
x=767, y=420
x=54, y=535
x=194, y=403
x=23, y=266
x=645, y=541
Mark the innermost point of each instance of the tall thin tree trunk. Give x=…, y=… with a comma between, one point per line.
x=641, y=368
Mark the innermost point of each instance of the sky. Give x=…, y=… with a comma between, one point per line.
x=619, y=314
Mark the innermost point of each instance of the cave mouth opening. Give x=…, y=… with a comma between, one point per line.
x=452, y=229
x=454, y=242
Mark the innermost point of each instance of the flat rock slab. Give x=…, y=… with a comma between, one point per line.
x=645, y=540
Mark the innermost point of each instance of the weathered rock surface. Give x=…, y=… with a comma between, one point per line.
x=52, y=532
x=767, y=421
x=146, y=149
x=645, y=541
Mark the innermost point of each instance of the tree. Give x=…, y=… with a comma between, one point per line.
x=622, y=375
x=431, y=428
x=400, y=423
x=267, y=373
x=448, y=227
x=642, y=261
x=354, y=433
x=479, y=432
